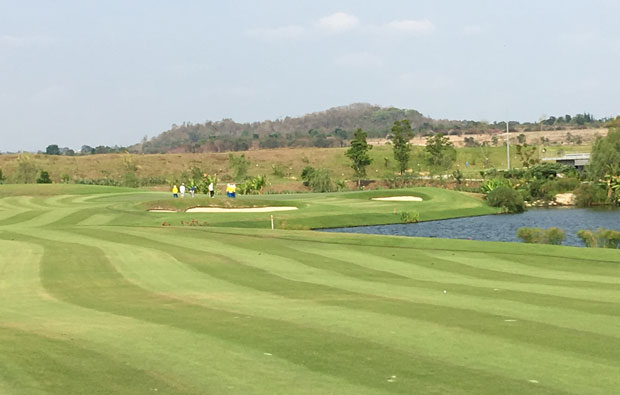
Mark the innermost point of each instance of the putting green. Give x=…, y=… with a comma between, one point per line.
x=101, y=296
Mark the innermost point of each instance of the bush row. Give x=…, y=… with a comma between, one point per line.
x=600, y=238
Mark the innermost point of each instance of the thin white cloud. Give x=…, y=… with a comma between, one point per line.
x=411, y=26
x=339, y=21
x=278, y=33
x=359, y=60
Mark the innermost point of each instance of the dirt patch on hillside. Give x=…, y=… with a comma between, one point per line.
x=557, y=137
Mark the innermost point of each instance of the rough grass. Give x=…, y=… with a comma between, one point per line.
x=176, y=168
x=98, y=297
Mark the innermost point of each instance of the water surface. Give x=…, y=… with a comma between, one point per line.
x=502, y=227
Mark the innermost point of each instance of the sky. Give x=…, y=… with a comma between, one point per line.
x=111, y=72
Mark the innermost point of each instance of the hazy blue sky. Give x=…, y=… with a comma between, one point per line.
x=110, y=72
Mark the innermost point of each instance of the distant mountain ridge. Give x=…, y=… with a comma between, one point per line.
x=326, y=128
x=331, y=128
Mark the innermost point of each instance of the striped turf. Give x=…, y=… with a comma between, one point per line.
x=94, y=302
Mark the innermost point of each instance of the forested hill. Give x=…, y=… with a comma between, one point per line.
x=321, y=129
x=330, y=128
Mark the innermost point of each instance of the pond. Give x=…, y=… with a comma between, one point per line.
x=502, y=227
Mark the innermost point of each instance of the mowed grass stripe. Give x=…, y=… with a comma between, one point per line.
x=457, y=262
x=241, y=272
x=456, y=284
x=74, y=218
x=340, y=268
x=22, y=217
x=587, y=299
x=50, y=217
x=46, y=365
x=171, y=354
x=494, y=355
x=600, y=258
x=606, y=259
x=516, y=267
x=23, y=202
x=486, y=299
x=102, y=288
x=579, y=265
x=445, y=267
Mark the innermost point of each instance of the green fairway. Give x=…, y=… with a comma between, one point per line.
x=101, y=296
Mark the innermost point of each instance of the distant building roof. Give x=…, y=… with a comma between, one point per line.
x=570, y=157
x=577, y=160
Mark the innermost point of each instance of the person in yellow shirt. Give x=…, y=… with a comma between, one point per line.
x=175, y=191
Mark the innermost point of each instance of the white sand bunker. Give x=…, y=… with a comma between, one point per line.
x=238, y=210
x=400, y=199
x=161, y=210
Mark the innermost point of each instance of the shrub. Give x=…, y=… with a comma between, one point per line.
x=239, y=165
x=317, y=179
x=555, y=236
x=153, y=180
x=409, y=216
x=507, y=199
x=277, y=170
x=2, y=177
x=552, y=235
x=26, y=172
x=130, y=179
x=44, y=178
x=514, y=173
x=549, y=170
x=587, y=236
x=601, y=238
x=563, y=185
x=306, y=174
x=530, y=235
x=458, y=176
x=203, y=184
x=493, y=184
x=253, y=185
x=533, y=190
x=590, y=194
x=341, y=185
x=490, y=173
x=321, y=181
x=98, y=181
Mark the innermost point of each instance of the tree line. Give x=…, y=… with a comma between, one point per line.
x=331, y=128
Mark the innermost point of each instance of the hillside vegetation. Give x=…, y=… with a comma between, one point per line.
x=332, y=128
x=328, y=128
x=283, y=167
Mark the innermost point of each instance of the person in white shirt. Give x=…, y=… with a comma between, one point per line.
x=182, y=190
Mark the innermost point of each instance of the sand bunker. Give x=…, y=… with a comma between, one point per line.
x=238, y=210
x=161, y=210
x=400, y=199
